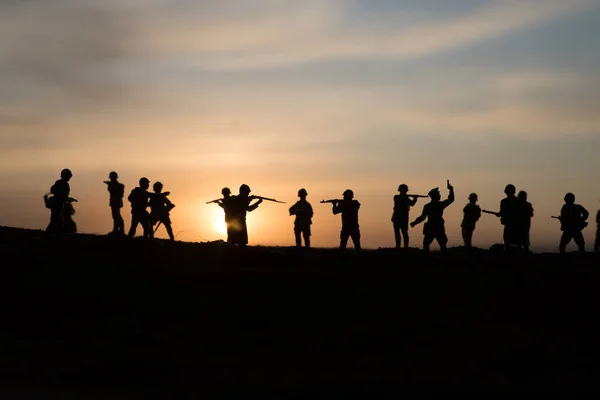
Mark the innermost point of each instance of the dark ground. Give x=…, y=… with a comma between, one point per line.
x=96, y=315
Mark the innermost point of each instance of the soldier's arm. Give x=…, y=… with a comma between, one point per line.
x=310, y=211
x=584, y=213
x=450, y=198
x=421, y=218
x=413, y=201
x=254, y=206
x=598, y=217
x=336, y=209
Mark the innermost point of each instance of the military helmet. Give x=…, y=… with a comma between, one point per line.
x=348, y=193
x=113, y=175
x=473, y=196
x=510, y=189
x=66, y=173
x=245, y=189
x=403, y=188
x=570, y=198
x=522, y=195
x=302, y=192
x=225, y=191
x=144, y=180
x=157, y=186
x=434, y=192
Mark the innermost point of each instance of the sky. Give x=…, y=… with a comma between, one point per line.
x=318, y=94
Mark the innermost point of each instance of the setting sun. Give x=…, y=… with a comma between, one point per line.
x=219, y=224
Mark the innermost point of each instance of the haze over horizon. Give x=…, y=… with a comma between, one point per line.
x=321, y=94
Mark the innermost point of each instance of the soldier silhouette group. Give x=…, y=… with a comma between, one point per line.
x=515, y=215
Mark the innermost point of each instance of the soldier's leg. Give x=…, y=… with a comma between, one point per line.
x=427, y=240
x=442, y=240
x=579, y=240
x=405, y=236
x=306, y=234
x=356, y=239
x=134, y=223
x=344, y=235
x=298, y=236
x=115, y=216
x=169, y=229
x=564, y=241
x=147, y=224
x=397, y=235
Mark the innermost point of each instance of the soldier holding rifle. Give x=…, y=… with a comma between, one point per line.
x=509, y=217
x=402, y=205
x=471, y=214
x=434, y=212
x=304, y=213
x=225, y=204
x=348, y=207
x=117, y=191
x=572, y=222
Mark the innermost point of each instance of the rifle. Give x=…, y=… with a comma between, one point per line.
x=558, y=218
x=267, y=199
x=497, y=214
x=417, y=196
x=215, y=201
x=333, y=201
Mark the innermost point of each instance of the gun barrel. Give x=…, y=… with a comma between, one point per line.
x=331, y=201
x=214, y=201
x=490, y=212
x=555, y=217
x=268, y=199
x=417, y=195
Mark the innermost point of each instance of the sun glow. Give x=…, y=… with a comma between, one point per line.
x=219, y=224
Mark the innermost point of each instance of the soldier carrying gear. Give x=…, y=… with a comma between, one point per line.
x=348, y=207
x=400, y=217
x=508, y=215
x=60, y=221
x=117, y=191
x=160, y=207
x=434, y=211
x=304, y=213
x=572, y=221
x=139, y=215
x=524, y=215
x=239, y=206
x=471, y=214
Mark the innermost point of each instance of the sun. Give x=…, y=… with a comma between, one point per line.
x=219, y=225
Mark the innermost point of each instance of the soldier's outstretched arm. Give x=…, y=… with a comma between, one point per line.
x=336, y=209
x=254, y=206
x=450, y=198
x=413, y=201
x=420, y=219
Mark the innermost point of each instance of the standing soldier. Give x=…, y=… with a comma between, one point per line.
x=225, y=204
x=60, y=197
x=434, y=212
x=402, y=205
x=240, y=205
x=139, y=215
x=348, y=207
x=304, y=213
x=160, y=206
x=524, y=215
x=572, y=222
x=471, y=214
x=117, y=191
x=509, y=218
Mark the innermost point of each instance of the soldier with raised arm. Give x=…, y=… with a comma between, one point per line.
x=117, y=191
x=304, y=213
x=239, y=206
x=400, y=217
x=471, y=214
x=572, y=221
x=139, y=215
x=433, y=211
x=348, y=207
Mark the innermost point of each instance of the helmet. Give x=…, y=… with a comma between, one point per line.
x=66, y=173
x=245, y=189
x=522, y=195
x=348, y=193
x=510, y=189
x=473, y=196
x=302, y=192
x=113, y=175
x=403, y=188
x=570, y=198
x=157, y=186
x=434, y=192
x=225, y=191
x=144, y=180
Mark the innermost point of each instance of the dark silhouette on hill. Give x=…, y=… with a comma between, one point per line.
x=524, y=215
x=400, y=216
x=304, y=213
x=160, y=208
x=471, y=214
x=139, y=198
x=433, y=211
x=348, y=207
x=572, y=221
x=117, y=191
x=62, y=211
x=226, y=203
x=240, y=205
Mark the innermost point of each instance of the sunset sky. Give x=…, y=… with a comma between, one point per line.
x=321, y=94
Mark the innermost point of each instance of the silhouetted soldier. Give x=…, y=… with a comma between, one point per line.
x=434, y=212
x=304, y=213
x=240, y=205
x=117, y=191
x=509, y=217
x=524, y=215
x=60, y=197
x=402, y=205
x=348, y=207
x=471, y=214
x=139, y=215
x=160, y=207
x=572, y=222
x=597, y=242
x=225, y=204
